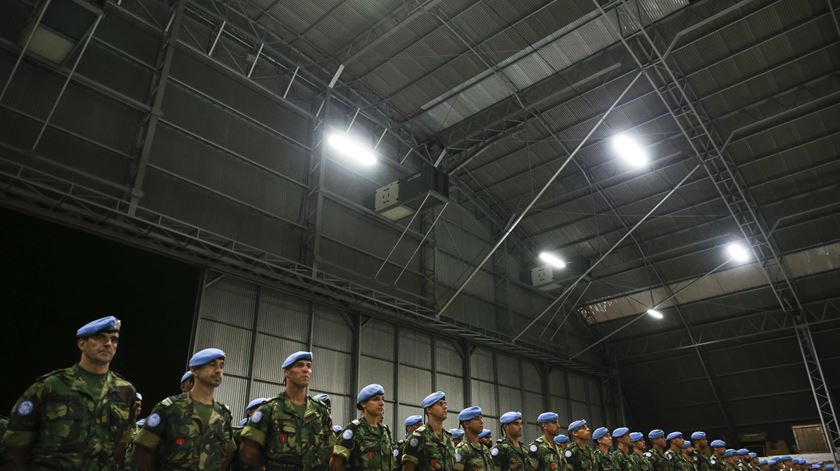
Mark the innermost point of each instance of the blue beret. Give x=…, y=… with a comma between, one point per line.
x=510, y=417
x=469, y=413
x=336, y=428
x=547, y=417
x=412, y=420
x=729, y=452
x=786, y=458
x=674, y=435
x=104, y=324
x=698, y=436
x=656, y=433
x=762, y=462
x=561, y=439
x=140, y=423
x=243, y=421
x=620, y=432
x=636, y=436
x=296, y=357
x=576, y=425
x=753, y=455
x=686, y=443
x=205, y=356
x=325, y=398
x=186, y=376
x=256, y=403
x=599, y=433
x=773, y=461
x=484, y=433
x=369, y=391
x=813, y=466
x=456, y=432
x=433, y=399
x=743, y=452
x=829, y=467
x=718, y=444
x=138, y=396
x=797, y=461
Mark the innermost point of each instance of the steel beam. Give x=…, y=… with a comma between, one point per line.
x=25, y=47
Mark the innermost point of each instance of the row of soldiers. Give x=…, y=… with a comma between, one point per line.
x=83, y=418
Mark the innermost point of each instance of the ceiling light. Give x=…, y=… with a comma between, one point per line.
x=655, y=314
x=352, y=149
x=552, y=260
x=630, y=150
x=738, y=252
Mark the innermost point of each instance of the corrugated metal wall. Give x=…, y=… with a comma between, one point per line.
x=240, y=317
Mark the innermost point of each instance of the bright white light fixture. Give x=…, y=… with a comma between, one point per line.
x=630, y=150
x=552, y=260
x=655, y=314
x=351, y=149
x=738, y=252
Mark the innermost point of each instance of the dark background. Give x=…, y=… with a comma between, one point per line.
x=57, y=279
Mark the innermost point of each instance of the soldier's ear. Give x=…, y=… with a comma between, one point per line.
x=79, y=342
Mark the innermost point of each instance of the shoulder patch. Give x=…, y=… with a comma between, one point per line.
x=494, y=451
x=533, y=448
x=396, y=452
x=457, y=457
x=25, y=408
x=647, y=454
x=153, y=420
x=670, y=456
x=713, y=461
x=348, y=434
x=567, y=454
x=166, y=402
x=256, y=417
x=413, y=442
x=356, y=422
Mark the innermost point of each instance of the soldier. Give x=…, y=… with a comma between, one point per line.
x=732, y=459
x=509, y=452
x=78, y=418
x=579, y=456
x=621, y=456
x=292, y=430
x=716, y=457
x=365, y=443
x=190, y=431
x=562, y=442
x=4, y=459
x=657, y=450
x=703, y=452
x=673, y=455
x=772, y=464
x=753, y=461
x=337, y=431
x=688, y=455
x=786, y=463
x=763, y=465
x=411, y=423
x=486, y=438
x=457, y=436
x=325, y=399
x=471, y=454
x=187, y=381
x=237, y=464
x=603, y=443
x=430, y=446
x=543, y=451
x=742, y=464
x=640, y=456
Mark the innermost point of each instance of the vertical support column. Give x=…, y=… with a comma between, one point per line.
x=568, y=394
x=496, y=389
x=466, y=366
x=546, y=386
x=316, y=180
x=428, y=259
x=357, y=352
x=253, y=349
x=433, y=349
x=311, y=334
x=156, y=93
x=199, y=299
x=397, y=425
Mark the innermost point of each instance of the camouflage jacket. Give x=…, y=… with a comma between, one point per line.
x=175, y=433
x=716, y=463
x=508, y=456
x=657, y=460
x=469, y=457
x=676, y=462
x=703, y=462
x=621, y=461
x=581, y=458
x=399, y=448
x=642, y=461
x=428, y=451
x=365, y=447
x=289, y=441
x=603, y=461
x=66, y=428
x=545, y=455
x=4, y=422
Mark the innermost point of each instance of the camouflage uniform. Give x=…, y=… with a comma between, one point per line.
x=399, y=449
x=703, y=462
x=469, y=457
x=290, y=442
x=508, y=456
x=657, y=460
x=366, y=447
x=581, y=458
x=66, y=427
x=4, y=422
x=676, y=462
x=545, y=455
x=716, y=463
x=641, y=461
x=175, y=433
x=603, y=461
x=621, y=460
x=427, y=451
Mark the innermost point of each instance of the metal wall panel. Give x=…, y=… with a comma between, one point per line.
x=234, y=341
x=577, y=387
x=230, y=301
x=561, y=406
x=533, y=407
x=593, y=388
x=448, y=358
x=332, y=330
x=332, y=371
x=415, y=384
x=269, y=354
x=232, y=393
x=264, y=389
x=378, y=339
x=284, y=316
x=484, y=395
x=580, y=410
x=415, y=349
x=507, y=370
x=481, y=364
x=509, y=399
x=453, y=386
x=531, y=376
x=373, y=370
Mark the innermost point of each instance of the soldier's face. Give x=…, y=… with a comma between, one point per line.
x=640, y=445
x=487, y=441
x=702, y=443
x=582, y=433
x=514, y=429
x=375, y=406
x=660, y=442
x=410, y=430
x=100, y=348
x=553, y=428
x=138, y=407
x=475, y=425
x=299, y=374
x=439, y=410
x=187, y=385
x=211, y=373
x=677, y=442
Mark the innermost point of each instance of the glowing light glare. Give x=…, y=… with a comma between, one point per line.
x=552, y=260
x=630, y=150
x=352, y=149
x=655, y=314
x=738, y=252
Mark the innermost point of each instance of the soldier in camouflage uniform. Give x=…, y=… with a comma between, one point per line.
x=509, y=452
x=457, y=436
x=365, y=443
x=543, y=451
x=411, y=423
x=562, y=442
x=657, y=450
x=742, y=464
x=430, y=446
x=79, y=418
x=623, y=449
x=190, y=431
x=486, y=438
x=730, y=458
x=603, y=443
x=471, y=454
x=290, y=432
x=674, y=454
x=718, y=447
x=703, y=452
x=754, y=462
x=187, y=381
x=237, y=464
x=4, y=459
x=689, y=455
x=579, y=456
x=640, y=457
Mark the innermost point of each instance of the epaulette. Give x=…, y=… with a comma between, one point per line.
x=419, y=430
x=356, y=422
x=51, y=373
x=500, y=440
x=168, y=401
